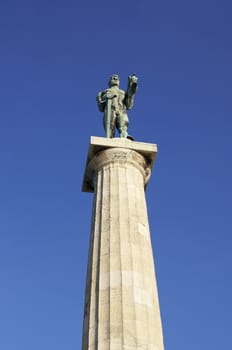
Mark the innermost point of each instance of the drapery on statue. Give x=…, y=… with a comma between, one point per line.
x=114, y=103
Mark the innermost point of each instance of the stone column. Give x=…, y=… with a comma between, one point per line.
x=121, y=302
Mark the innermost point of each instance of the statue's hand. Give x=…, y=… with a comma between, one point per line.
x=108, y=95
x=132, y=84
x=132, y=79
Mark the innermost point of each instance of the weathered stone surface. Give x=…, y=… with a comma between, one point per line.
x=121, y=305
x=98, y=144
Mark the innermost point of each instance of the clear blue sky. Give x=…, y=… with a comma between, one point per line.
x=54, y=58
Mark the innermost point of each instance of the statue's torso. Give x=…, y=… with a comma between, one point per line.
x=118, y=101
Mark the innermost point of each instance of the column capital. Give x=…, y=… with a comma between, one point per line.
x=106, y=151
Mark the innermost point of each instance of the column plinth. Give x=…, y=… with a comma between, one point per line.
x=121, y=301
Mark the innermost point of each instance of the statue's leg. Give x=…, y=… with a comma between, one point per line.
x=122, y=125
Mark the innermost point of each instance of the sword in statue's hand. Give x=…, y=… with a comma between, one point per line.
x=108, y=112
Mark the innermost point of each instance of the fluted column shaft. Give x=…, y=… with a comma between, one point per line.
x=121, y=305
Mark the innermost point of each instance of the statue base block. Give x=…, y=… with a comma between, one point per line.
x=98, y=144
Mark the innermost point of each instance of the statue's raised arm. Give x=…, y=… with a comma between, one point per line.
x=114, y=103
x=131, y=90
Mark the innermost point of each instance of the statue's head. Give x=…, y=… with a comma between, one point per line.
x=114, y=80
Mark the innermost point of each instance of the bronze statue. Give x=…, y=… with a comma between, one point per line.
x=114, y=103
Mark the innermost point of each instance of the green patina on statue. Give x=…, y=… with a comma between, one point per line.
x=114, y=103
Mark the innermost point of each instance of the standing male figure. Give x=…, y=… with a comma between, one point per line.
x=114, y=103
